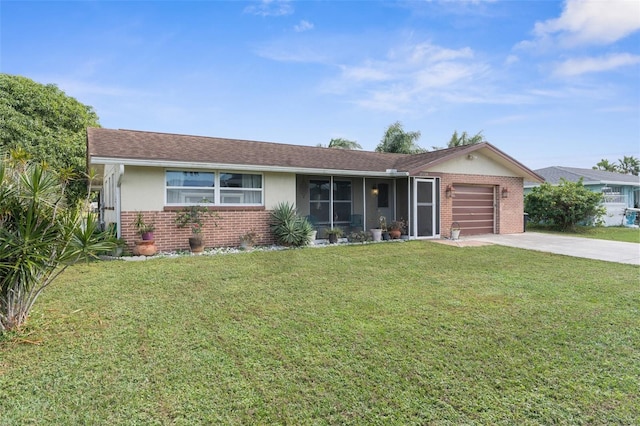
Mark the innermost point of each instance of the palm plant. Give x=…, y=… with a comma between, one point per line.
x=40, y=236
x=342, y=143
x=397, y=140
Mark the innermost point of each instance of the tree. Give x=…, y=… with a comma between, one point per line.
x=39, y=235
x=465, y=139
x=398, y=141
x=342, y=143
x=565, y=205
x=49, y=125
x=606, y=166
x=629, y=165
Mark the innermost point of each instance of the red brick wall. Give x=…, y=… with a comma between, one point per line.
x=509, y=211
x=231, y=225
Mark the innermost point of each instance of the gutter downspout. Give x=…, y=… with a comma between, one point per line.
x=118, y=200
x=409, y=206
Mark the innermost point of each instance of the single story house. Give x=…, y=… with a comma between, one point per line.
x=158, y=174
x=620, y=191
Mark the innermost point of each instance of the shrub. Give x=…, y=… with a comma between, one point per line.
x=360, y=237
x=565, y=205
x=39, y=236
x=288, y=228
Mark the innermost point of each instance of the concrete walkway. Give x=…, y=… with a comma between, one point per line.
x=610, y=251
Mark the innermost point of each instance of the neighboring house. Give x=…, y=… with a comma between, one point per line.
x=478, y=186
x=620, y=191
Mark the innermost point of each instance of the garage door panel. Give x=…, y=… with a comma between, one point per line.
x=474, y=203
x=468, y=217
x=473, y=209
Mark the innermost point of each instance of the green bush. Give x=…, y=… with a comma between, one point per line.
x=40, y=235
x=564, y=206
x=288, y=228
x=360, y=237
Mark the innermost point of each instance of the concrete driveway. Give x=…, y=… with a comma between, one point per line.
x=610, y=251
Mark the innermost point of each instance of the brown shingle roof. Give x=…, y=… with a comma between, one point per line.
x=137, y=145
x=133, y=145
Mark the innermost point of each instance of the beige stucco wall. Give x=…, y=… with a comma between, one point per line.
x=142, y=189
x=479, y=165
x=279, y=187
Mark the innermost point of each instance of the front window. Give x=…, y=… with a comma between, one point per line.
x=196, y=187
x=186, y=187
x=236, y=188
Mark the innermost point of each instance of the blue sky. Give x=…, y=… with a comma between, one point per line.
x=548, y=82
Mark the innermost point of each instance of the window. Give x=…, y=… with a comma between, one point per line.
x=195, y=187
x=383, y=195
x=321, y=196
x=612, y=190
x=236, y=188
x=186, y=187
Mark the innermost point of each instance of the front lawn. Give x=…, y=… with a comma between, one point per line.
x=612, y=233
x=395, y=333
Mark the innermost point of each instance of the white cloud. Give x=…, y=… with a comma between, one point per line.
x=577, y=66
x=427, y=52
x=270, y=8
x=303, y=26
x=589, y=22
x=409, y=75
x=511, y=59
x=368, y=72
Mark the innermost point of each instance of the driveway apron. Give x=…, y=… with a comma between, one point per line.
x=610, y=251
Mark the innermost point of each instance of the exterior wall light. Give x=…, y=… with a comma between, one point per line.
x=505, y=192
x=450, y=192
x=374, y=190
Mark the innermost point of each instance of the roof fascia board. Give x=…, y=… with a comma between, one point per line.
x=620, y=183
x=475, y=147
x=241, y=167
x=594, y=182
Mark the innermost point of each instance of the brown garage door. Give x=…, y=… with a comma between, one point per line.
x=473, y=209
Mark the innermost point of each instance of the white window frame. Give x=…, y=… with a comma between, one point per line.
x=224, y=192
x=218, y=191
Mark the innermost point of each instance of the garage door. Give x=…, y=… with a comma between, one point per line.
x=473, y=209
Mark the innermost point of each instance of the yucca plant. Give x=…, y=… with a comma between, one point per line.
x=39, y=236
x=288, y=228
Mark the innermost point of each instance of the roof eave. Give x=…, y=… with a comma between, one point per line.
x=242, y=167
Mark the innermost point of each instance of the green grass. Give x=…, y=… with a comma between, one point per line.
x=612, y=233
x=396, y=333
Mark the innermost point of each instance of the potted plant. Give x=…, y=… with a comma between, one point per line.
x=395, y=229
x=383, y=227
x=194, y=218
x=333, y=234
x=376, y=233
x=144, y=229
x=119, y=245
x=248, y=239
x=455, y=230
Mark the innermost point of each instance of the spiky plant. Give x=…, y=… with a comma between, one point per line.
x=39, y=236
x=288, y=228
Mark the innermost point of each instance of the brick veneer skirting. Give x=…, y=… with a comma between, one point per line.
x=231, y=225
